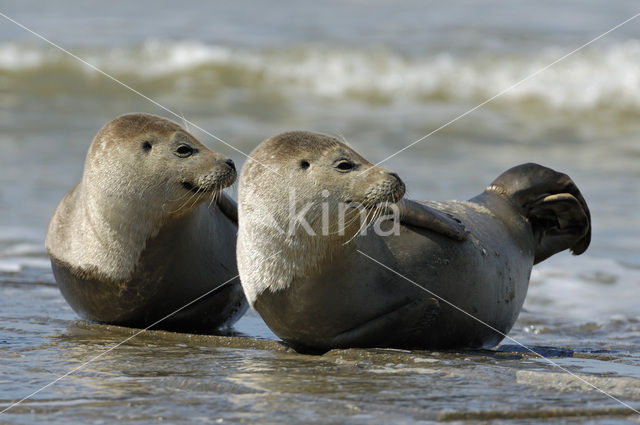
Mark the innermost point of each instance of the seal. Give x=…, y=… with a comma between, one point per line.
x=454, y=275
x=148, y=230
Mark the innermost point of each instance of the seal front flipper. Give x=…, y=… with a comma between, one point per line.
x=419, y=215
x=228, y=207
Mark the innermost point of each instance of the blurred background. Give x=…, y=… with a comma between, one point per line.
x=379, y=74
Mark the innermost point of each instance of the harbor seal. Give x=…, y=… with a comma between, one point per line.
x=328, y=289
x=148, y=230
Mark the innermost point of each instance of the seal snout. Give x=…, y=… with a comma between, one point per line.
x=225, y=174
x=222, y=175
x=230, y=163
x=390, y=189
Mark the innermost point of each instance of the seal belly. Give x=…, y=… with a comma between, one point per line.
x=141, y=303
x=480, y=283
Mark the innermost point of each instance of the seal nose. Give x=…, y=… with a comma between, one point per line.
x=397, y=177
x=391, y=173
x=399, y=188
x=230, y=163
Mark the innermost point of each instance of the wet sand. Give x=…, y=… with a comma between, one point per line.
x=254, y=378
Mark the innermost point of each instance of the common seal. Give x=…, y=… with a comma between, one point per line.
x=148, y=230
x=330, y=290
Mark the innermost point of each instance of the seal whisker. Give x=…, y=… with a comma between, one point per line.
x=356, y=216
x=185, y=203
x=181, y=197
x=351, y=216
x=363, y=226
x=377, y=214
x=192, y=201
x=214, y=197
x=196, y=200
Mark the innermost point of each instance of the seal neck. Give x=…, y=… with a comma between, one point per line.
x=499, y=202
x=108, y=234
x=505, y=209
x=270, y=259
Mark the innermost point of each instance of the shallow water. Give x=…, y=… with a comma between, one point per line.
x=381, y=75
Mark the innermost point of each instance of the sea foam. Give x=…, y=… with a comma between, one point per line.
x=592, y=78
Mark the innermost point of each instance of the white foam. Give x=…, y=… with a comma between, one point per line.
x=157, y=58
x=620, y=386
x=15, y=57
x=16, y=264
x=22, y=249
x=585, y=288
x=595, y=77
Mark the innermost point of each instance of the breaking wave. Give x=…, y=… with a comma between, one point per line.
x=594, y=78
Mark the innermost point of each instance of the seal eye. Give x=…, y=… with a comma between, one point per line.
x=344, y=165
x=304, y=164
x=184, y=151
x=146, y=146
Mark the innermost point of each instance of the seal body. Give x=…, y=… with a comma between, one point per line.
x=147, y=237
x=429, y=285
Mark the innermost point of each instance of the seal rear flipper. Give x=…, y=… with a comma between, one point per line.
x=558, y=222
x=396, y=328
x=228, y=207
x=419, y=215
x=559, y=215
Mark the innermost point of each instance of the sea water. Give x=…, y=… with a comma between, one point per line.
x=379, y=75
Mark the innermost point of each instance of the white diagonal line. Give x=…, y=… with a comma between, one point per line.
x=115, y=346
x=114, y=79
x=120, y=343
x=500, y=333
x=527, y=78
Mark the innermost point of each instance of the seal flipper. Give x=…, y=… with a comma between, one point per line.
x=558, y=221
x=419, y=215
x=228, y=207
x=559, y=215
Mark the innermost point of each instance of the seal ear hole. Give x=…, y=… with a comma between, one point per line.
x=304, y=164
x=146, y=146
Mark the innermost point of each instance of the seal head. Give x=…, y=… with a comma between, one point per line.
x=309, y=176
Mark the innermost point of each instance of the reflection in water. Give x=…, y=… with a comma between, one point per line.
x=183, y=377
